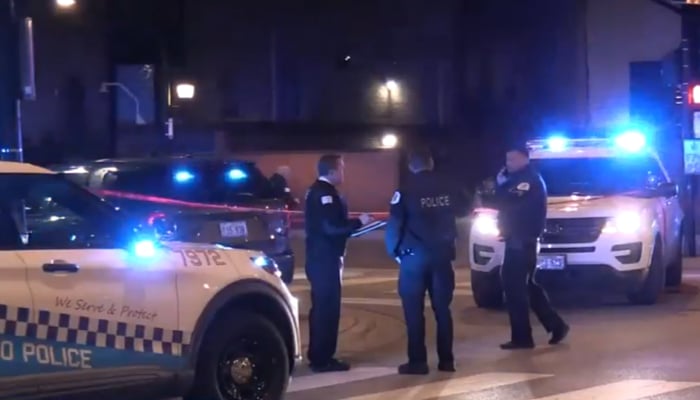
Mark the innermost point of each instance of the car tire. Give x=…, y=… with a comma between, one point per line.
x=487, y=290
x=655, y=280
x=243, y=356
x=674, y=272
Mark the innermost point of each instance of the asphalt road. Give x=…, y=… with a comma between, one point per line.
x=615, y=351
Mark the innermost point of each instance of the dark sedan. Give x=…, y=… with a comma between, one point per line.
x=192, y=199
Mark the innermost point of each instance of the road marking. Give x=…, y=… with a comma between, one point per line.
x=395, y=302
x=347, y=274
x=369, y=280
x=311, y=382
x=624, y=390
x=469, y=384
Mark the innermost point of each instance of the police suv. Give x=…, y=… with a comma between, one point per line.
x=94, y=306
x=613, y=220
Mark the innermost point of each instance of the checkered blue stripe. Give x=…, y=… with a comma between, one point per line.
x=94, y=332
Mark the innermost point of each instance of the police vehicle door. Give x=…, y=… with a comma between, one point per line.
x=97, y=306
x=15, y=307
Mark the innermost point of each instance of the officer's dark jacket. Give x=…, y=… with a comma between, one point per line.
x=422, y=216
x=327, y=224
x=522, y=205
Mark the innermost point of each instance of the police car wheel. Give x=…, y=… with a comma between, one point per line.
x=486, y=290
x=243, y=357
x=654, y=281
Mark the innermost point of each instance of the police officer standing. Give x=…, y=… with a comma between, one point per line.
x=521, y=200
x=327, y=230
x=420, y=235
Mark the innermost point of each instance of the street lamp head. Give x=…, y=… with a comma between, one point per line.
x=65, y=3
x=391, y=85
x=104, y=87
x=184, y=91
x=389, y=141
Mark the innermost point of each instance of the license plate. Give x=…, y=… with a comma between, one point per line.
x=233, y=229
x=551, y=262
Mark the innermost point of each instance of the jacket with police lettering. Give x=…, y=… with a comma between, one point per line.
x=522, y=205
x=422, y=216
x=327, y=224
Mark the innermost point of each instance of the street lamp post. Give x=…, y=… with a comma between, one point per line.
x=105, y=89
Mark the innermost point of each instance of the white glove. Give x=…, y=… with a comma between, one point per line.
x=501, y=178
x=366, y=219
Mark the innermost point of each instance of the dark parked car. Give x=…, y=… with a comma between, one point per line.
x=200, y=187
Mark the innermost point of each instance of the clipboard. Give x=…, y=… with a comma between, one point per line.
x=365, y=229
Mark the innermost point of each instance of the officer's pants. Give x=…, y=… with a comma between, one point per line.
x=522, y=292
x=417, y=275
x=324, y=274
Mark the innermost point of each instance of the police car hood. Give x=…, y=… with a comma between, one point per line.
x=593, y=206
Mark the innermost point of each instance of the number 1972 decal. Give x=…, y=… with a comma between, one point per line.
x=201, y=258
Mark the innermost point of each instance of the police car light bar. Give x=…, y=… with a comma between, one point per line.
x=630, y=141
x=539, y=144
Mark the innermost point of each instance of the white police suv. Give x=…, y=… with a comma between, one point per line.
x=614, y=221
x=91, y=306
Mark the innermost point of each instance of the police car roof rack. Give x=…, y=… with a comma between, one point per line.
x=539, y=144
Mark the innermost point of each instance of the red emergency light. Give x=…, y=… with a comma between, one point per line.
x=694, y=94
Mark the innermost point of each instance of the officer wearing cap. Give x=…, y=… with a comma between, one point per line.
x=420, y=235
x=521, y=200
x=327, y=230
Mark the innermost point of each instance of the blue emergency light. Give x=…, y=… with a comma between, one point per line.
x=556, y=143
x=144, y=248
x=183, y=176
x=632, y=141
x=236, y=174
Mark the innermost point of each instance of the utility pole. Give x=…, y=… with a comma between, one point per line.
x=9, y=81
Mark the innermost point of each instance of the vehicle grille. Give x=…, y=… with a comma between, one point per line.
x=572, y=230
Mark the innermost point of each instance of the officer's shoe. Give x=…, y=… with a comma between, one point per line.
x=558, y=335
x=518, y=346
x=331, y=366
x=446, y=366
x=414, y=369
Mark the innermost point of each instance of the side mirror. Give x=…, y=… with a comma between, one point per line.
x=669, y=189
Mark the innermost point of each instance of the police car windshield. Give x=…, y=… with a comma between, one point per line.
x=598, y=176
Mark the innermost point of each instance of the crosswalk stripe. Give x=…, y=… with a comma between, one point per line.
x=455, y=386
x=369, y=280
x=338, y=378
x=457, y=292
x=624, y=390
x=391, y=302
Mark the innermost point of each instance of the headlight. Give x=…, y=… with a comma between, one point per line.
x=486, y=224
x=267, y=264
x=626, y=222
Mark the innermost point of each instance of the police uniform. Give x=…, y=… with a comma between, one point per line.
x=421, y=234
x=327, y=230
x=522, y=204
